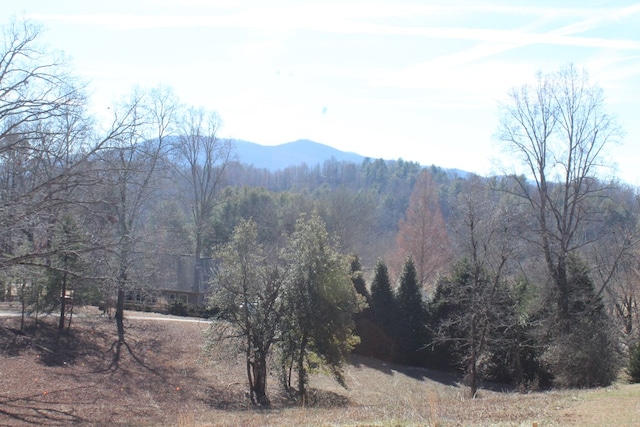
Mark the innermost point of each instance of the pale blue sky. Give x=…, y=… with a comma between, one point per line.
x=413, y=79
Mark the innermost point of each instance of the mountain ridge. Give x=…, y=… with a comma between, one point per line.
x=295, y=153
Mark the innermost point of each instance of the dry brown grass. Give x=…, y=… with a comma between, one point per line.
x=166, y=380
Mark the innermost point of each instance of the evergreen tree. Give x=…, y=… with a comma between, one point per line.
x=447, y=313
x=247, y=289
x=363, y=328
x=634, y=364
x=411, y=336
x=358, y=281
x=581, y=351
x=384, y=313
x=470, y=313
x=319, y=304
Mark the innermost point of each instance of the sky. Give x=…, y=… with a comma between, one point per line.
x=417, y=80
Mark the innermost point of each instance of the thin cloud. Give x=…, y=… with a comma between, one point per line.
x=350, y=20
x=121, y=22
x=443, y=70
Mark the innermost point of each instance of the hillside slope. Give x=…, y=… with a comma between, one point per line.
x=163, y=378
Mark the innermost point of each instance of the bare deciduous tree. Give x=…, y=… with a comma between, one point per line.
x=46, y=142
x=201, y=159
x=558, y=130
x=130, y=179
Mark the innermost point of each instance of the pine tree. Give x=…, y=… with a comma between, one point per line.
x=384, y=313
x=634, y=364
x=65, y=265
x=363, y=322
x=411, y=336
x=358, y=281
x=581, y=351
x=470, y=313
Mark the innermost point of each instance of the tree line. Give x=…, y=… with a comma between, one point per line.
x=529, y=276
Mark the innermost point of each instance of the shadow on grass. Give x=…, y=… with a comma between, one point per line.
x=66, y=348
x=53, y=348
x=421, y=374
x=34, y=410
x=448, y=378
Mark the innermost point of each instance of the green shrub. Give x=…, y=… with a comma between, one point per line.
x=634, y=364
x=178, y=308
x=582, y=354
x=181, y=308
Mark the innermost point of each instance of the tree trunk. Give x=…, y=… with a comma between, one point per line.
x=260, y=380
x=302, y=372
x=120, y=315
x=250, y=372
x=473, y=368
x=197, y=268
x=125, y=251
x=24, y=306
x=70, y=318
x=63, y=293
x=288, y=373
x=562, y=283
x=37, y=310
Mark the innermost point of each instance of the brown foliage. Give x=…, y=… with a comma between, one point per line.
x=422, y=234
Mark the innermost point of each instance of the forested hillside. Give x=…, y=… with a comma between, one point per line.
x=529, y=277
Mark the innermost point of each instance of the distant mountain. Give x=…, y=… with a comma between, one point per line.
x=278, y=157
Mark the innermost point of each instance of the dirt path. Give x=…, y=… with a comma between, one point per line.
x=165, y=318
x=11, y=311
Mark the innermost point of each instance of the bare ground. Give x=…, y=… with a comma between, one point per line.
x=164, y=378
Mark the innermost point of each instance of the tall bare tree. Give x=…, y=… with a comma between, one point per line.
x=35, y=90
x=46, y=141
x=349, y=216
x=130, y=178
x=201, y=159
x=558, y=130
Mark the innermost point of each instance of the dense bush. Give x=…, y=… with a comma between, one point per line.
x=634, y=364
x=181, y=308
x=582, y=355
x=178, y=308
x=582, y=350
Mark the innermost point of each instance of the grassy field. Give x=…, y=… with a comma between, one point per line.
x=166, y=379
